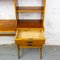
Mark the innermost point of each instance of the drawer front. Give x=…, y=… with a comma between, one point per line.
x=30, y=43
x=8, y=25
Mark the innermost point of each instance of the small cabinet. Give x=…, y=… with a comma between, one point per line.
x=30, y=37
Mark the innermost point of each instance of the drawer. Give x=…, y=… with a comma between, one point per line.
x=30, y=43
x=29, y=37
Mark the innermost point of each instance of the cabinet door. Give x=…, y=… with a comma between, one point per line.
x=8, y=25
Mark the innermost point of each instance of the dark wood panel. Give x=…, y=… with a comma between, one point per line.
x=30, y=23
x=8, y=25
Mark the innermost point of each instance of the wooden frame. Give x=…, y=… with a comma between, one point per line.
x=23, y=25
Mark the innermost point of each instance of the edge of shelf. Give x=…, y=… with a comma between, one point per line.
x=30, y=7
x=30, y=11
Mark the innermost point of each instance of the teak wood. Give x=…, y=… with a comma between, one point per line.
x=29, y=38
x=29, y=32
x=30, y=25
x=8, y=25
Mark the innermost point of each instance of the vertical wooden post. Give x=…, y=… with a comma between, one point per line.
x=15, y=6
x=41, y=53
x=18, y=52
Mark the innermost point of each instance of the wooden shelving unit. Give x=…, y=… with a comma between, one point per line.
x=26, y=26
x=30, y=32
x=30, y=9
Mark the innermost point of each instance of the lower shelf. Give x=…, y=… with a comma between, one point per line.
x=30, y=23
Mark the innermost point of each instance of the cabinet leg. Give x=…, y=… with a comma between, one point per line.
x=41, y=53
x=18, y=53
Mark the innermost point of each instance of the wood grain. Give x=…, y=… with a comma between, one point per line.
x=30, y=8
x=30, y=24
x=8, y=25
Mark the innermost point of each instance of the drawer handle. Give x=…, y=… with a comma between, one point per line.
x=29, y=44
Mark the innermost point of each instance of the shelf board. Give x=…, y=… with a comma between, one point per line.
x=30, y=23
x=7, y=33
x=30, y=10
x=30, y=7
x=8, y=25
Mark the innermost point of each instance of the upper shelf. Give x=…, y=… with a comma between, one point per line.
x=30, y=23
x=30, y=9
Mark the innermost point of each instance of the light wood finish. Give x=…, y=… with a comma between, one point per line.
x=8, y=25
x=18, y=52
x=41, y=53
x=15, y=7
x=24, y=39
x=7, y=34
x=30, y=35
x=30, y=10
x=33, y=25
x=30, y=23
x=44, y=10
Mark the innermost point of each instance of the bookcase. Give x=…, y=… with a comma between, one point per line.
x=26, y=19
x=28, y=9
x=30, y=24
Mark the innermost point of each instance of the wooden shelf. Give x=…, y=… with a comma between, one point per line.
x=7, y=33
x=30, y=10
x=30, y=23
x=30, y=7
x=8, y=25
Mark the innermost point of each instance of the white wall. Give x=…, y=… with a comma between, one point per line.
x=31, y=16
x=29, y=2
x=7, y=9
x=52, y=22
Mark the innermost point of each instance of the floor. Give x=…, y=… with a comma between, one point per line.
x=10, y=53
